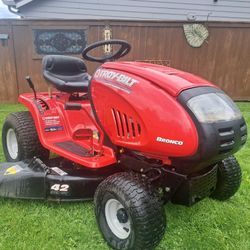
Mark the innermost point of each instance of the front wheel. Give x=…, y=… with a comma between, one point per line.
x=229, y=179
x=129, y=212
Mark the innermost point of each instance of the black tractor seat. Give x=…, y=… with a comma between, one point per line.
x=66, y=73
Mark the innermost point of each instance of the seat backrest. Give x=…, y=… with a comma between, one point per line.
x=63, y=65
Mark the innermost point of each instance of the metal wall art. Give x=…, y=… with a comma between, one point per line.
x=59, y=41
x=196, y=34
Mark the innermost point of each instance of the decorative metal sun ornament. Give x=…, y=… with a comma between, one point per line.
x=196, y=34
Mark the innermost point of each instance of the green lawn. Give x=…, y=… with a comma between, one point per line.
x=207, y=225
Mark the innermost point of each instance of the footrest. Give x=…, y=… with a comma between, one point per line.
x=74, y=148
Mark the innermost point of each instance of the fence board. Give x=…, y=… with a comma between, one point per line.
x=224, y=59
x=8, y=81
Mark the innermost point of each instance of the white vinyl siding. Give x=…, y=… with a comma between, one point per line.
x=222, y=10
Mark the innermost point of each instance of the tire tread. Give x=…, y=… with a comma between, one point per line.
x=144, y=202
x=229, y=179
x=27, y=136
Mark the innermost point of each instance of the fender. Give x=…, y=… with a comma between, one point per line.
x=56, y=125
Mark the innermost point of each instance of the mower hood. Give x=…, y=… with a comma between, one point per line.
x=173, y=81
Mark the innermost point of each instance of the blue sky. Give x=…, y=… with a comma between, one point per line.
x=4, y=12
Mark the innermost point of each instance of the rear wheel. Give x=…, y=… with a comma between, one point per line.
x=19, y=138
x=129, y=212
x=229, y=179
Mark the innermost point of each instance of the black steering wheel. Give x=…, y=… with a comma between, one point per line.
x=122, y=51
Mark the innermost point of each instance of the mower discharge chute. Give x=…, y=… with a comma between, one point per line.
x=133, y=136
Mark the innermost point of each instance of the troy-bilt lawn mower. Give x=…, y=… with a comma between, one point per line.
x=133, y=136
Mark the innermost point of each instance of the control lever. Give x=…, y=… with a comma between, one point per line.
x=31, y=85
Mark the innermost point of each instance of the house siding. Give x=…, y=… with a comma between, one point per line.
x=182, y=10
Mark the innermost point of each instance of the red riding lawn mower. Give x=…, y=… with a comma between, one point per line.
x=133, y=137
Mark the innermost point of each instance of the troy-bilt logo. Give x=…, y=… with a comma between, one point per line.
x=168, y=141
x=118, y=77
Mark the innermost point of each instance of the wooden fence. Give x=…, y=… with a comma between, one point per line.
x=223, y=59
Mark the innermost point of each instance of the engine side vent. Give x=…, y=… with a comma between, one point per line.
x=126, y=126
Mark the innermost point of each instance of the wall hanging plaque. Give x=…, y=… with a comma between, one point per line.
x=59, y=42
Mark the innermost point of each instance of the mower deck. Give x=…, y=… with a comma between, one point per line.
x=61, y=181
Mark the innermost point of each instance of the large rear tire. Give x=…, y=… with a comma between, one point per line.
x=229, y=179
x=20, y=139
x=129, y=212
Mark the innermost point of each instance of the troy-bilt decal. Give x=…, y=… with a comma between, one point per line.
x=115, y=76
x=169, y=141
x=51, y=120
x=53, y=129
x=13, y=170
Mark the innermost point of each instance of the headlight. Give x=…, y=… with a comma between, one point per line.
x=214, y=107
